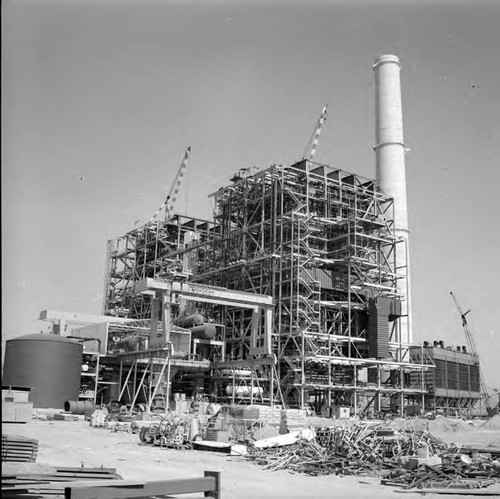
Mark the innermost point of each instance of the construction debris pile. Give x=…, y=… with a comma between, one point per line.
x=407, y=458
x=458, y=471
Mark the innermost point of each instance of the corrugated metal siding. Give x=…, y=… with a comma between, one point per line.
x=324, y=277
x=450, y=375
x=378, y=327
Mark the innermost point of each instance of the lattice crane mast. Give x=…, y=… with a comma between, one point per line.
x=472, y=349
x=313, y=141
x=171, y=198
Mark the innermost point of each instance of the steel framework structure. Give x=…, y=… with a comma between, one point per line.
x=153, y=250
x=321, y=242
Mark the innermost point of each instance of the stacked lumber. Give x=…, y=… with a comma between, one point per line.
x=19, y=449
x=21, y=481
x=209, y=485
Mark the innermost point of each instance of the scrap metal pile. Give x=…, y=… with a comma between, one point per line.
x=458, y=471
x=408, y=458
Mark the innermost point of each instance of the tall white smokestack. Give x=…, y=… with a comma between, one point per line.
x=390, y=172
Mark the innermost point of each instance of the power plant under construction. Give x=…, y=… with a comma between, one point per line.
x=297, y=293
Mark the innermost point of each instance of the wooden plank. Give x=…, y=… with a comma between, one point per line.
x=61, y=485
x=19, y=460
x=452, y=491
x=116, y=490
x=84, y=470
x=85, y=475
x=68, y=479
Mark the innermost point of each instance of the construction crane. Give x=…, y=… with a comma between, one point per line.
x=475, y=357
x=171, y=198
x=313, y=141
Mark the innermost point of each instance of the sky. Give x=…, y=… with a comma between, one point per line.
x=101, y=100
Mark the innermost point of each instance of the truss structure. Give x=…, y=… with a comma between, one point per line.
x=155, y=250
x=321, y=242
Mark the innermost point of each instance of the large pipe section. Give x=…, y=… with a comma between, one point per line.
x=390, y=170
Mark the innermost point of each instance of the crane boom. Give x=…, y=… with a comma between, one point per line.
x=171, y=198
x=313, y=142
x=472, y=349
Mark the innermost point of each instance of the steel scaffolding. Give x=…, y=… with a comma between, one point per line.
x=155, y=249
x=321, y=242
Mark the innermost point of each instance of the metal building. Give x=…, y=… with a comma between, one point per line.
x=454, y=385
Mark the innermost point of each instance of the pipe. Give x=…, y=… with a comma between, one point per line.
x=390, y=170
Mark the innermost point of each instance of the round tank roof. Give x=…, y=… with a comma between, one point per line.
x=42, y=337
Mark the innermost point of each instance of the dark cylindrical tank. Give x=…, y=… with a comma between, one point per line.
x=79, y=406
x=49, y=364
x=206, y=332
x=190, y=321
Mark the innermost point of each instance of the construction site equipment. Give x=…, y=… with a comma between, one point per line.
x=473, y=351
x=171, y=198
x=312, y=145
x=170, y=431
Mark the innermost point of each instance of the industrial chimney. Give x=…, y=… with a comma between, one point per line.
x=390, y=169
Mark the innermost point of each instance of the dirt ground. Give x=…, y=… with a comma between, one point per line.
x=73, y=443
